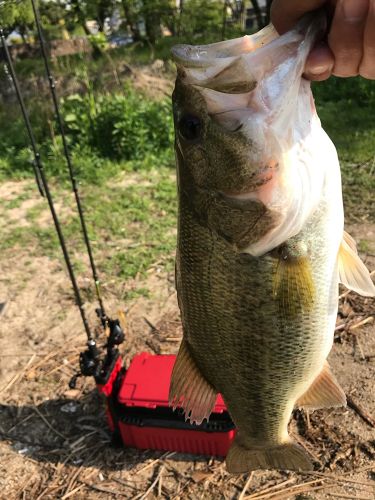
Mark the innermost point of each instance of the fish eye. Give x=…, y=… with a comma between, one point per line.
x=190, y=127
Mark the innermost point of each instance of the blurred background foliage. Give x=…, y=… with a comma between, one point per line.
x=113, y=124
x=114, y=79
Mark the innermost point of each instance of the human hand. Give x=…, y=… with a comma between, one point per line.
x=350, y=50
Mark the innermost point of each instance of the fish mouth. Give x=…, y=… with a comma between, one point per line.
x=203, y=56
x=232, y=66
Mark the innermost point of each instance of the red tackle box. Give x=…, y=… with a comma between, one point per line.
x=139, y=411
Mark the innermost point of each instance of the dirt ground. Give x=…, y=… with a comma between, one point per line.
x=54, y=441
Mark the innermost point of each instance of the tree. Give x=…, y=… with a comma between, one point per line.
x=200, y=16
x=268, y=11
x=258, y=13
x=154, y=13
x=99, y=10
x=56, y=20
x=16, y=15
x=132, y=18
x=82, y=11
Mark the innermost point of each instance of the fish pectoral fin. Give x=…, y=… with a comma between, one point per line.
x=293, y=286
x=352, y=271
x=189, y=389
x=324, y=392
x=287, y=456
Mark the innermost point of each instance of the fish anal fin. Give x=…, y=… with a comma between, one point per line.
x=324, y=392
x=286, y=456
x=189, y=389
x=352, y=271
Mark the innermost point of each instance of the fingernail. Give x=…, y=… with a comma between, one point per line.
x=355, y=10
x=318, y=70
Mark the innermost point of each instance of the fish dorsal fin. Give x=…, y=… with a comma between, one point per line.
x=352, y=271
x=324, y=392
x=189, y=389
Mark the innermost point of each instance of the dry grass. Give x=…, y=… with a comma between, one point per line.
x=54, y=441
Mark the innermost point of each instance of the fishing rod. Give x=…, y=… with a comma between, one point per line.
x=89, y=360
x=44, y=188
x=138, y=412
x=52, y=86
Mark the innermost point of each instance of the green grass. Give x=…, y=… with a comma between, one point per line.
x=345, y=107
x=131, y=227
x=351, y=128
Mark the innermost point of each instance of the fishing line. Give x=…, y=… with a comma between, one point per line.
x=73, y=180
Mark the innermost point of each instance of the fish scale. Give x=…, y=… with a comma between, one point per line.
x=230, y=318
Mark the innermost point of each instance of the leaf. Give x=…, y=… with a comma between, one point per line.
x=70, y=117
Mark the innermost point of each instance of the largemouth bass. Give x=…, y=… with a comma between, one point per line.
x=261, y=246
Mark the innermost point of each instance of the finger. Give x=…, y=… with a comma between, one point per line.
x=367, y=67
x=346, y=36
x=285, y=13
x=320, y=63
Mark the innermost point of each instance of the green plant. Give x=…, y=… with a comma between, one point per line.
x=125, y=126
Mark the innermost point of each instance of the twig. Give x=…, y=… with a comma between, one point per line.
x=245, y=488
x=289, y=490
x=48, y=424
x=71, y=493
x=345, y=294
x=20, y=422
x=46, y=358
x=18, y=376
x=293, y=490
x=160, y=484
x=181, y=488
x=72, y=480
x=339, y=479
x=358, y=344
x=24, y=485
x=340, y=327
x=48, y=490
x=107, y=490
x=342, y=495
x=270, y=488
x=304, y=443
x=152, y=326
x=79, y=440
x=165, y=455
x=360, y=411
x=20, y=355
x=153, y=484
x=370, y=319
x=125, y=483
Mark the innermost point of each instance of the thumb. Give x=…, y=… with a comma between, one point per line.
x=285, y=13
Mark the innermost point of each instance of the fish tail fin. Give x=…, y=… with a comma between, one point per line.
x=287, y=456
